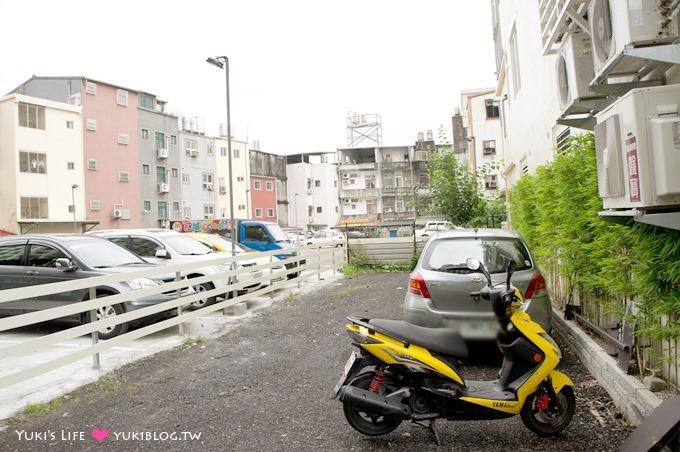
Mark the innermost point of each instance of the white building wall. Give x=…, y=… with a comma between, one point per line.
x=195, y=194
x=482, y=128
x=311, y=185
x=61, y=145
x=297, y=174
x=240, y=179
x=324, y=194
x=529, y=103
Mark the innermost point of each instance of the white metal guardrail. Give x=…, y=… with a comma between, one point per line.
x=316, y=261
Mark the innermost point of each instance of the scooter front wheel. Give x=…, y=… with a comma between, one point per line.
x=545, y=418
x=368, y=423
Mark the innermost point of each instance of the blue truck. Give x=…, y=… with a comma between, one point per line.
x=255, y=234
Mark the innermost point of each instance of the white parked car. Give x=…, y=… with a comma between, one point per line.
x=325, y=237
x=432, y=227
x=165, y=246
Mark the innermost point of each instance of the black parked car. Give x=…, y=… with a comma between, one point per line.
x=28, y=260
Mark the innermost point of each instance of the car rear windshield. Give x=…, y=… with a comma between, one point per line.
x=494, y=253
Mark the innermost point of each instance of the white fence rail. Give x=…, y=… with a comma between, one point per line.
x=316, y=261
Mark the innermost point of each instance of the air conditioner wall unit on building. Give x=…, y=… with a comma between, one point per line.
x=163, y=153
x=616, y=24
x=637, y=143
x=117, y=213
x=575, y=71
x=163, y=188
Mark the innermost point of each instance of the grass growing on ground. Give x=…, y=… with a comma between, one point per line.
x=189, y=341
x=290, y=297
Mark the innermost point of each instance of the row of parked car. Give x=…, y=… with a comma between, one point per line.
x=29, y=260
x=438, y=293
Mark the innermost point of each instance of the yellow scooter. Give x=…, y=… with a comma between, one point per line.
x=403, y=372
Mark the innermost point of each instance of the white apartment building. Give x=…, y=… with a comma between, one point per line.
x=197, y=173
x=481, y=117
x=312, y=191
x=41, y=166
x=240, y=180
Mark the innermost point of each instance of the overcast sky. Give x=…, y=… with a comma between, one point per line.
x=297, y=67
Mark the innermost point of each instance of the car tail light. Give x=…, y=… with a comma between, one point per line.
x=417, y=286
x=536, y=285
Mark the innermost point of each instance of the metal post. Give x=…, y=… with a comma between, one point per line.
x=222, y=62
x=95, y=334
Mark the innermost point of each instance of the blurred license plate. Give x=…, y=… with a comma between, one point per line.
x=476, y=329
x=348, y=367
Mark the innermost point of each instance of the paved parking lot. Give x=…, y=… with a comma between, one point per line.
x=264, y=385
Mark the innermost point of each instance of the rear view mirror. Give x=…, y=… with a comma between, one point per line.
x=473, y=264
x=476, y=266
x=510, y=270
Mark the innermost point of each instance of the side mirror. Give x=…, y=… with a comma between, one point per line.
x=162, y=254
x=65, y=264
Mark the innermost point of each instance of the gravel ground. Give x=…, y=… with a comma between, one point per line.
x=265, y=385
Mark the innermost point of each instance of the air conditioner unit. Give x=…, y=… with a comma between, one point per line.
x=117, y=213
x=574, y=69
x=163, y=153
x=345, y=175
x=193, y=153
x=163, y=188
x=636, y=142
x=616, y=24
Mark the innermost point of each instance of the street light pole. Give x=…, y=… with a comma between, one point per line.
x=73, y=200
x=222, y=62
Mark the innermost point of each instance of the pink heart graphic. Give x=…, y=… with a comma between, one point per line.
x=100, y=434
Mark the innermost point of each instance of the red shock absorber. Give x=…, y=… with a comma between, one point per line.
x=378, y=378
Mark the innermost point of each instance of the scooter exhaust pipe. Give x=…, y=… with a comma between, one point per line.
x=374, y=403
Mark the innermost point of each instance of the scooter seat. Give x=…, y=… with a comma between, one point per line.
x=439, y=340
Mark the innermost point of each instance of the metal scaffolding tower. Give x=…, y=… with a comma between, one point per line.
x=363, y=128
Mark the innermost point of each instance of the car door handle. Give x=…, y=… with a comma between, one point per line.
x=477, y=279
x=32, y=272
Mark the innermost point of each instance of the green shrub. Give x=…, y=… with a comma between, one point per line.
x=556, y=210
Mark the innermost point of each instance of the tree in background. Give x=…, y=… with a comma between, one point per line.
x=454, y=189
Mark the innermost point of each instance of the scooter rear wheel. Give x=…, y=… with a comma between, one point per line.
x=546, y=420
x=368, y=423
